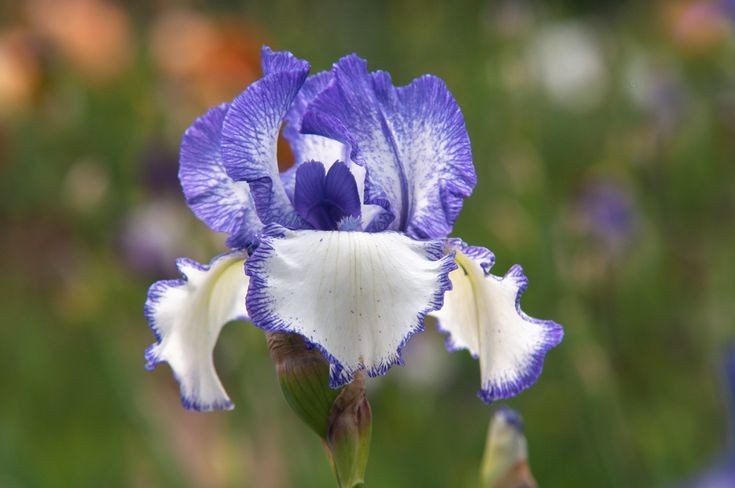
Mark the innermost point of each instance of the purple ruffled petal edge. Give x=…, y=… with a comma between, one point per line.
x=553, y=335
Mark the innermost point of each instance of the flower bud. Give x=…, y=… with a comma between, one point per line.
x=341, y=417
x=505, y=463
x=304, y=376
x=349, y=432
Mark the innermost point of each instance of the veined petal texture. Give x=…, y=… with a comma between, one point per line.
x=223, y=204
x=411, y=140
x=356, y=296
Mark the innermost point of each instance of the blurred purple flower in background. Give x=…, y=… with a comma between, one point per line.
x=152, y=236
x=159, y=168
x=655, y=87
x=608, y=215
x=154, y=232
x=728, y=6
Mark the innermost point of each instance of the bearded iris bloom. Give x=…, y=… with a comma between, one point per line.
x=348, y=248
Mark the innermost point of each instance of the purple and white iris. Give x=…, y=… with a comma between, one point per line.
x=348, y=248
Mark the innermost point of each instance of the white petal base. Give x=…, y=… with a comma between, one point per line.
x=187, y=316
x=356, y=296
x=482, y=314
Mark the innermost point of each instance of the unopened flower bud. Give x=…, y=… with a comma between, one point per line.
x=505, y=463
x=349, y=432
x=304, y=376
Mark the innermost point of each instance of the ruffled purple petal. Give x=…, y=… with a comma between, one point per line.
x=250, y=135
x=308, y=147
x=223, y=204
x=412, y=140
x=276, y=61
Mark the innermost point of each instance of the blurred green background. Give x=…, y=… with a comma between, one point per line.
x=604, y=140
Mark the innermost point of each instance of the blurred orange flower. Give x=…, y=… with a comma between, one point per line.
x=207, y=60
x=696, y=26
x=19, y=71
x=95, y=35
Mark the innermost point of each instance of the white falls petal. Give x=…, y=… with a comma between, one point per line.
x=187, y=315
x=357, y=296
x=482, y=314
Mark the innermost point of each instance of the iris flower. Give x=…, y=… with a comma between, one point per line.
x=349, y=247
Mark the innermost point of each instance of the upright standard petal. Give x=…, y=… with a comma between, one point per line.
x=356, y=296
x=223, y=204
x=482, y=314
x=250, y=136
x=310, y=147
x=412, y=141
x=275, y=61
x=187, y=315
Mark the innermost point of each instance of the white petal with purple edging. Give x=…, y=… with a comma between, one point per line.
x=187, y=315
x=357, y=296
x=482, y=314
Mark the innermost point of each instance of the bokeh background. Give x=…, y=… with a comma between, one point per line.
x=604, y=139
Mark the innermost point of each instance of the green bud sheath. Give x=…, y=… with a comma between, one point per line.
x=342, y=418
x=349, y=433
x=304, y=377
x=505, y=463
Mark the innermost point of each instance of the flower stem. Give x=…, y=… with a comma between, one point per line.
x=341, y=417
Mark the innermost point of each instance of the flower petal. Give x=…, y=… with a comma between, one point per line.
x=412, y=140
x=275, y=61
x=250, y=135
x=356, y=296
x=482, y=314
x=325, y=198
x=187, y=315
x=223, y=204
x=309, y=147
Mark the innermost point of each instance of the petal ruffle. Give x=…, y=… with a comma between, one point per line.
x=223, y=204
x=275, y=61
x=250, y=136
x=356, y=296
x=412, y=141
x=482, y=314
x=310, y=147
x=187, y=315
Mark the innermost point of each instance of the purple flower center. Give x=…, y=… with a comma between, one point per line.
x=325, y=200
